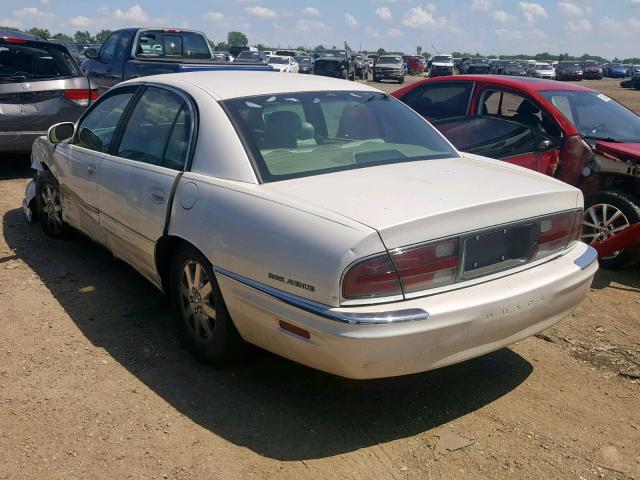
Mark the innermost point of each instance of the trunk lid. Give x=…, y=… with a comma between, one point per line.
x=420, y=201
x=629, y=152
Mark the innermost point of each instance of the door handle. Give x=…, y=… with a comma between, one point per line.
x=157, y=195
x=91, y=171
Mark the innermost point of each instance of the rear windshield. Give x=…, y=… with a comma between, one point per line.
x=396, y=60
x=172, y=45
x=279, y=60
x=302, y=134
x=22, y=62
x=249, y=56
x=441, y=59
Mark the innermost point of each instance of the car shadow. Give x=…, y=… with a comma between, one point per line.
x=627, y=280
x=265, y=403
x=14, y=166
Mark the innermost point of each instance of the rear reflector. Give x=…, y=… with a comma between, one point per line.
x=301, y=332
x=373, y=277
x=81, y=96
x=427, y=266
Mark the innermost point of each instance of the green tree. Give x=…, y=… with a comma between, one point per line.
x=11, y=29
x=62, y=36
x=261, y=47
x=319, y=49
x=381, y=51
x=39, y=32
x=102, y=35
x=237, y=39
x=83, y=37
x=221, y=47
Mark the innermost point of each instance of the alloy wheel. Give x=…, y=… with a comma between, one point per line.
x=196, y=301
x=52, y=207
x=602, y=221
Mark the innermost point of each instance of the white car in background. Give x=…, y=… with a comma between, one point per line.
x=543, y=70
x=320, y=219
x=284, y=64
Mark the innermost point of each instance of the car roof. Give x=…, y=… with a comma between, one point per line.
x=519, y=83
x=225, y=85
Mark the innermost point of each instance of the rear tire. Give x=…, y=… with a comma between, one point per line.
x=608, y=213
x=49, y=203
x=201, y=316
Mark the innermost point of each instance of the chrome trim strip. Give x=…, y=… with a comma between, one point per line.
x=24, y=132
x=587, y=258
x=352, y=318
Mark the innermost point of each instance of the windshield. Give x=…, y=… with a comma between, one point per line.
x=248, y=56
x=22, y=62
x=279, y=60
x=543, y=67
x=442, y=59
x=303, y=60
x=597, y=116
x=301, y=134
x=334, y=53
x=569, y=65
x=479, y=60
x=172, y=44
x=392, y=60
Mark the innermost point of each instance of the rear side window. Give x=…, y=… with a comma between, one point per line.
x=97, y=128
x=158, y=130
x=25, y=62
x=440, y=100
x=172, y=45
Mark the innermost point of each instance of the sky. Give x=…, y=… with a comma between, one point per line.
x=601, y=27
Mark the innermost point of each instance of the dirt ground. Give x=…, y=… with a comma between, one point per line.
x=94, y=385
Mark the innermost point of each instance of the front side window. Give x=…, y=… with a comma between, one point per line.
x=302, y=134
x=157, y=117
x=490, y=136
x=440, y=99
x=97, y=128
x=108, y=50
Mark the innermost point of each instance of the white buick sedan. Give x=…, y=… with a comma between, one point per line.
x=316, y=218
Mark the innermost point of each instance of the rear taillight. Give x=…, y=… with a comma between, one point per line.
x=82, y=96
x=557, y=232
x=14, y=40
x=373, y=277
x=427, y=266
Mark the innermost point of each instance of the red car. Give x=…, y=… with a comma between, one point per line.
x=567, y=131
x=415, y=64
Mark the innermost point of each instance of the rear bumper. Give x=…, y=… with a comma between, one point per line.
x=18, y=141
x=460, y=325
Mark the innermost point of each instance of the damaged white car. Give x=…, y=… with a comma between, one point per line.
x=316, y=218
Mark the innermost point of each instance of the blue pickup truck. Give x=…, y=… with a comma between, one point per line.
x=138, y=52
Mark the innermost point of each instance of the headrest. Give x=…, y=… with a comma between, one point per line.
x=307, y=132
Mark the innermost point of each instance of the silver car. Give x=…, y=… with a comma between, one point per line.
x=316, y=218
x=40, y=84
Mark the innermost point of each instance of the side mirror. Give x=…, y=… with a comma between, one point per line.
x=545, y=145
x=91, y=53
x=61, y=132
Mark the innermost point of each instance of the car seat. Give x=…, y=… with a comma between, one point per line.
x=527, y=114
x=281, y=130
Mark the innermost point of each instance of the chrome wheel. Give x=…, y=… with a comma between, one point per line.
x=602, y=221
x=196, y=301
x=51, y=207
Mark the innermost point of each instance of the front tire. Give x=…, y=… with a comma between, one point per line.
x=50, y=207
x=605, y=215
x=204, y=324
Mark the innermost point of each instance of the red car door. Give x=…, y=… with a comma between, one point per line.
x=541, y=152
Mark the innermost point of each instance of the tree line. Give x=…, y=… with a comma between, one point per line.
x=78, y=37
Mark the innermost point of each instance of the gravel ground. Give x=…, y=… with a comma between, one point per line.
x=94, y=385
